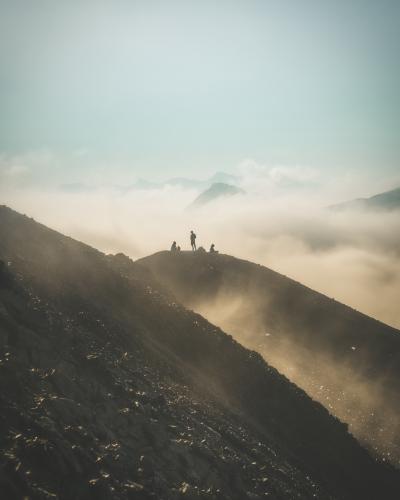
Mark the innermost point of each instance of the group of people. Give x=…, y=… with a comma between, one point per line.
x=177, y=248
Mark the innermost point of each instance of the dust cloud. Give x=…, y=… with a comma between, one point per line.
x=282, y=221
x=367, y=405
x=353, y=257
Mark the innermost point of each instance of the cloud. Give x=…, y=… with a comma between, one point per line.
x=16, y=170
x=257, y=176
x=352, y=257
x=29, y=169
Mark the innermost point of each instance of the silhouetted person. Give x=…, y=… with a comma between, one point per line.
x=212, y=248
x=173, y=247
x=178, y=248
x=193, y=240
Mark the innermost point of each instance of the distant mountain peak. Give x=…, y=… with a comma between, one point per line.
x=389, y=200
x=186, y=182
x=216, y=191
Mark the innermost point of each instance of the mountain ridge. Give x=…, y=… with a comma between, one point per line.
x=97, y=398
x=386, y=201
x=216, y=191
x=332, y=351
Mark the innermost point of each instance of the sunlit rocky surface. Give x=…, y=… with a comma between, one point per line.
x=342, y=358
x=109, y=388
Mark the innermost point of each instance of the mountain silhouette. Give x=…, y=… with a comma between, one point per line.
x=387, y=201
x=145, y=184
x=109, y=388
x=345, y=359
x=214, y=192
x=184, y=182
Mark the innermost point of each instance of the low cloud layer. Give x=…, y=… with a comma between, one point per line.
x=280, y=222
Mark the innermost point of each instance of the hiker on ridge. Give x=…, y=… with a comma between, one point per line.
x=193, y=240
x=212, y=248
x=173, y=247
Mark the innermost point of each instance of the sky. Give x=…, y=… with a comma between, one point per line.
x=298, y=99
x=124, y=88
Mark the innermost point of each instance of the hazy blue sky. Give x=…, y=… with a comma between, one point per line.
x=166, y=88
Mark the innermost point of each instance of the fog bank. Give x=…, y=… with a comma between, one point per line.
x=281, y=222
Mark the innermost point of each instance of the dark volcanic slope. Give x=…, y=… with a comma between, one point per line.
x=292, y=307
x=343, y=358
x=111, y=390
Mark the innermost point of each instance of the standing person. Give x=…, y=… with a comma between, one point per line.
x=173, y=247
x=193, y=240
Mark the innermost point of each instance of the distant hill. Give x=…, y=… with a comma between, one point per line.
x=344, y=359
x=144, y=184
x=216, y=191
x=390, y=200
x=185, y=182
x=109, y=388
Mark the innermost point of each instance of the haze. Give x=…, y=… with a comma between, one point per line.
x=299, y=100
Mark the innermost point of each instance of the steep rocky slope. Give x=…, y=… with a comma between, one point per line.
x=346, y=360
x=111, y=389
